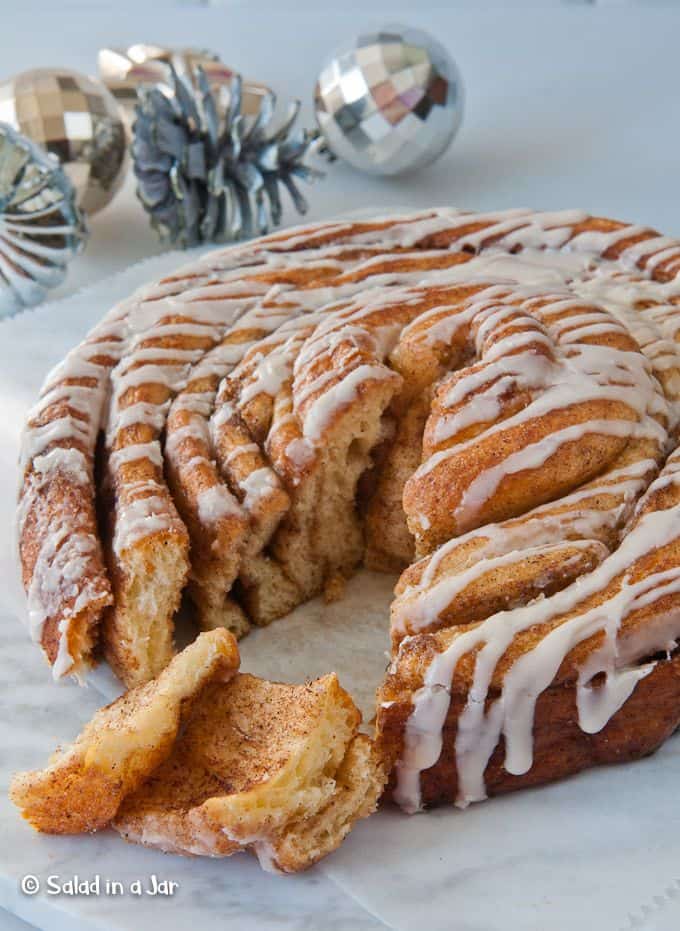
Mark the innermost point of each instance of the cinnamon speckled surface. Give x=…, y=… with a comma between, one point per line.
x=36, y=715
x=568, y=106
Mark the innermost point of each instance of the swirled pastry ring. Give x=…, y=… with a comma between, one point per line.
x=487, y=403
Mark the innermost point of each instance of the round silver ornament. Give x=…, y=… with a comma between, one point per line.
x=75, y=118
x=390, y=102
x=125, y=70
x=41, y=228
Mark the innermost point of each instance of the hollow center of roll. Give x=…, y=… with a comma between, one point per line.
x=349, y=636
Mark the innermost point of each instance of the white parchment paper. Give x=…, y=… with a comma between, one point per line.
x=601, y=849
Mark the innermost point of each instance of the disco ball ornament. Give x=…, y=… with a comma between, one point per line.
x=390, y=102
x=75, y=118
x=125, y=70
x=41, y=228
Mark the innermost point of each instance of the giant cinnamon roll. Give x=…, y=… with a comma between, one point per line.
x=485, y=402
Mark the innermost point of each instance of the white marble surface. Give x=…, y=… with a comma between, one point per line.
x=568, y=106
x=36, y=715
x=10, y=922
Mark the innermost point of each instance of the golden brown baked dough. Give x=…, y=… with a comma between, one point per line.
x=279, y=769
x=84, y=784
x=495, y=395
x=560, y=747
x=204, y=760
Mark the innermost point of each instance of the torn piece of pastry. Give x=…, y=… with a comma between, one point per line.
x=205, y=761
x=359, y=784
x=124, y=742
x=276, y=768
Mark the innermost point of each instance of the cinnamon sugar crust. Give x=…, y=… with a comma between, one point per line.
x=486, y=402
x=206, y=761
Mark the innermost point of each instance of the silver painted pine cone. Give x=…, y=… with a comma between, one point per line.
x=206, y=172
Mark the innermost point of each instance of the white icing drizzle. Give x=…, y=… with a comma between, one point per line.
x=435, y=599
x=246, y=449
x=196, y=429
x=140, y=413
x=69, y=461
x=325, y=407
x=37, y=440
x=138, y=519
x=215, y=503
x=197, y=402
x=256, y=485
x=307, y=324
x=272, y=371
x=222, y=415
x=150, y=451
x=300, y=452
x=531, y=457
x=512, y=716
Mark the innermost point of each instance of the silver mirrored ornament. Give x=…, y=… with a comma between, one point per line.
x=41, y=228
x=75, y=118
x=390, y=102
x=125, y=70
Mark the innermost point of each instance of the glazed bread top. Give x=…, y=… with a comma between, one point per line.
x=489, y=400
